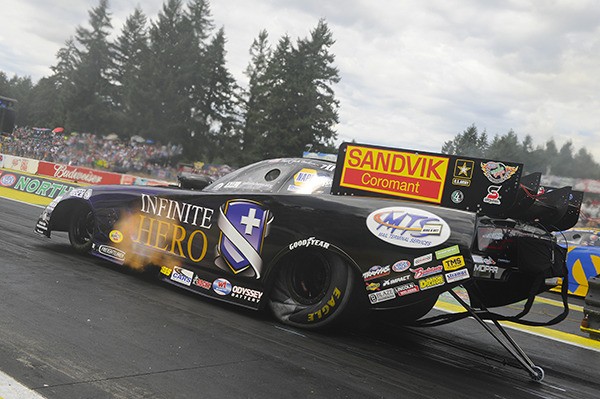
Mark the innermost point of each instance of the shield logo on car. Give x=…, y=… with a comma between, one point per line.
x=244, y=225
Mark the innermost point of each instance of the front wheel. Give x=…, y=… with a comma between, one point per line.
x=312, y=290
x=81, y=228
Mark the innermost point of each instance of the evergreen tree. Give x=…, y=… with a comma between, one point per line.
x=90, y=105
x=256, y=100
x=167, y=74
x=301, y=107
x=468, y=143
x=220, y=105
x=131, y=51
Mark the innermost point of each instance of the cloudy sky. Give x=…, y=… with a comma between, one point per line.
x=413, y=73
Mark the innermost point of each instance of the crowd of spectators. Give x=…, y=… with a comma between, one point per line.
x=87, y=149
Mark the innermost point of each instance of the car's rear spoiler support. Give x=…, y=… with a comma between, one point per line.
x=501, y=335
x=535, y=372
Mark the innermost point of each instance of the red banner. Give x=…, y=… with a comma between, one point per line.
x=77, y=173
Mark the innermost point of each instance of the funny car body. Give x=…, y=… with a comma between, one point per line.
x=382, y=229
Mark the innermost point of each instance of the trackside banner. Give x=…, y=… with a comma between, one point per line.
x=18, y=163
x=458, y=182
x=77, y=173
x=34, y=185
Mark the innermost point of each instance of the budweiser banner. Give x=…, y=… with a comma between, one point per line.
x=77, y=173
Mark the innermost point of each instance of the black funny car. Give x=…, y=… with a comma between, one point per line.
x=316, y=241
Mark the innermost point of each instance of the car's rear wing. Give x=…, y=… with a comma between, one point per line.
x=492, y=188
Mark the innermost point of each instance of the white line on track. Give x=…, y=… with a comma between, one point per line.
x=11, y=389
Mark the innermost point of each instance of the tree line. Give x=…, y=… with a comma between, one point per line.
x=548, y=159
x=167, y=80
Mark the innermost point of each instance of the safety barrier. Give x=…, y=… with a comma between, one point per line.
x=591, y=310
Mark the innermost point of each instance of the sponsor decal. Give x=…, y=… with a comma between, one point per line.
x=423, y=259
x=160, y=226
x=166, y=270
x=221, y=286
x=304, y=176
x=244, y=226
x=444, y=253
x=406, y=289
x=457, y=196
x=453, y=263
x=457, y=275
x=81, y=193
x=309, y=242
x=396, y=280
x=486, y=261
x=182, y=275
x=431, y=282
x=397, y=173
x=497, y=172
x=111, y=252
x=373, y=286
x=115, y=236
x=246, y=294
x=479, y=268
x=183, y=212
x=198, y=282
x=332, y=302
x=382, y=296
x=463, y=172
x=8, y=180
x=376, y=272
x=401, y=266
x=408, y=227
x=493, y=195
x=421, y=272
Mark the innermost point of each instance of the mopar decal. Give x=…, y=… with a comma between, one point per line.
x=244, y=226
x=408, y=227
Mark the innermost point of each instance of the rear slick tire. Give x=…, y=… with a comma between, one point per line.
x=312, y=290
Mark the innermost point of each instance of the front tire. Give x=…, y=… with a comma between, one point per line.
x=312, y=290
x=81, y=229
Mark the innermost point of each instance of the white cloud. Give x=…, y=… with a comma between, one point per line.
x=413, y=74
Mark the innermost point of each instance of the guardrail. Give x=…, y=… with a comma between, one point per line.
x=591, y=310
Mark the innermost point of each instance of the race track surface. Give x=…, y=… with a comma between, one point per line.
x=73, y=326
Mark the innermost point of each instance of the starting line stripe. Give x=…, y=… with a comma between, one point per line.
x=560, y=336
x=11, y=389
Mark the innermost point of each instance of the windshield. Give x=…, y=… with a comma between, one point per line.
x=287, y=176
